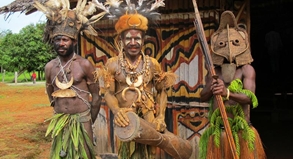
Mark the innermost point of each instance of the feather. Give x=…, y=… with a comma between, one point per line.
x=157, y=4
x=143, y=6
x=54, y=9
x=53, y=4
x=89, y=30
x=131, y=7
x=65, y=4
x=128, y=3
x=78, y=4
x=113, y=3
x=43, y=9
x=102, y=6
x=81, y=7
x=90, y=9
x=97, y=17
x=82, y=18
x=63, y=14
x=140, y=2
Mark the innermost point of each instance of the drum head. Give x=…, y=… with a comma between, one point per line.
x=131, y=131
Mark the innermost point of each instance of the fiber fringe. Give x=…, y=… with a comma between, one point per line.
x=224, y=151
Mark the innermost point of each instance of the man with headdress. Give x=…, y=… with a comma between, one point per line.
x=136, y=84
x=235, y=83
x=70, y=83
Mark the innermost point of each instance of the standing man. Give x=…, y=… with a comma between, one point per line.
x=70, y=85
x=135, y=82
x=236, y=85
x=34, y=77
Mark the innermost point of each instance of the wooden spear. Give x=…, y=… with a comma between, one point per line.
x=205, y=49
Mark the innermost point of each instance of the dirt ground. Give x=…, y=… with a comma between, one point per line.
x=23, y=109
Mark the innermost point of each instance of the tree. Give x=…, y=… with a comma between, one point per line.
x=2, y=35
x=35, y=47
x=25, y=50
x=8, y=46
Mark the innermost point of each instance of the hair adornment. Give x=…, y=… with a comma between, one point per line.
x=69, y=22
x=134, y=24
x=132, y=15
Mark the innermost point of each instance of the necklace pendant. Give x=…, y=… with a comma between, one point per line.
x=68, y=71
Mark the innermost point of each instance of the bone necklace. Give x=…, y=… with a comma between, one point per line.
x=133, y=67
x=134, y=79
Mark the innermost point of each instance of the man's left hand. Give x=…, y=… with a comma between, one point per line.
x=160, y=124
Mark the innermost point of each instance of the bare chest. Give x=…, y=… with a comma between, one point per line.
x=65, y=74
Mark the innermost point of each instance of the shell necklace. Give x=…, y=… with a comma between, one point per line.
x=133, y=67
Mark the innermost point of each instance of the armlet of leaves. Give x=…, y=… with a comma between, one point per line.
x=236, y=86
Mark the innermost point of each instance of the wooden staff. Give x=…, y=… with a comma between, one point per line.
x=210, y=65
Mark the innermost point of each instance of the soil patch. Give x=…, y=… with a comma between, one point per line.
x=23, y=109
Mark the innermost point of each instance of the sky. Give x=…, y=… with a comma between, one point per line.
x=17, y=21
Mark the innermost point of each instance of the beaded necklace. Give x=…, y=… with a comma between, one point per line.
x=131, y=72
x=133, y=67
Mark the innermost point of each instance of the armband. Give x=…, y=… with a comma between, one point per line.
x=228, y=94
x=52, y=103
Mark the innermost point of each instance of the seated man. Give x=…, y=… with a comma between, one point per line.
x=135, y=82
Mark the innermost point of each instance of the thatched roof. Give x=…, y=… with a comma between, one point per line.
x=24, y=6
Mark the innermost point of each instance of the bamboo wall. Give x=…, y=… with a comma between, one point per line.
x=172, y=40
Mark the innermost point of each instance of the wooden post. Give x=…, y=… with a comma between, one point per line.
x=15, y=77
x=3, y=76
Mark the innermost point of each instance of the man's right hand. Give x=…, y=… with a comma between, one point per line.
x=218, y=87
x=120, y=118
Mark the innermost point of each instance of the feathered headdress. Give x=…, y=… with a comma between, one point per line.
x=70, y=22
x=131, y=15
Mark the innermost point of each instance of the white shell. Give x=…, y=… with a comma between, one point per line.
x=64, y=85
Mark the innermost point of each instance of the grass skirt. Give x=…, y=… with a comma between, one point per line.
x=70, y=139
x=224, y=151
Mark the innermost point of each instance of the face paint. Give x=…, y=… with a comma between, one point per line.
x=133, y=38
x=132, y=42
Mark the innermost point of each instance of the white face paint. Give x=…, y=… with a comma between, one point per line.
x=133, y=37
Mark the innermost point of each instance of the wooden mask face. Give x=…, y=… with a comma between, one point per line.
x=229, y=44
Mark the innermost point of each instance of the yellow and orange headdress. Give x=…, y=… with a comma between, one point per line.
x=132, y=15
x=131, y=21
